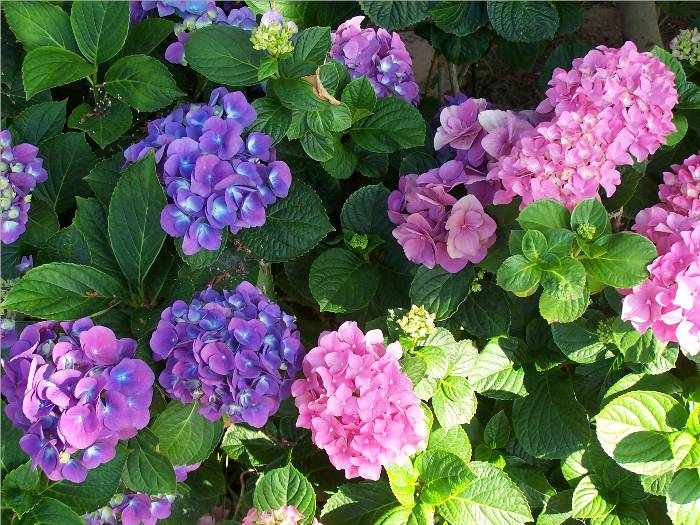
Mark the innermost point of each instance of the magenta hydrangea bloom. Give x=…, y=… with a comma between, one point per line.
x=234, y=352
x=612, y=108
x=433, y=226
x=681, y=187
x=359, y=405
x=378, y=55
x=20, y=171
x=215, y=175
x=668, y=302
x=75, y=390
x=134, y=508
x=287, y=515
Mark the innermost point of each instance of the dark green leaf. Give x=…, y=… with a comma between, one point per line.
x=461, y=49
x=441, y=292
x=91, y=220
x=395, y=125
x=37, y=24
x=39, y=122
x=395, y=14
x=145, y=36
x=485, y=313
x=521, y=21
x=42, y=223
x=102, y=126
x=146, y=469
x=100, y=28
x=47, y=67
x=272, y=118
x=459, y=18
x=365, y=211
x=104, y=176
x=623, y=259
x=50, y=511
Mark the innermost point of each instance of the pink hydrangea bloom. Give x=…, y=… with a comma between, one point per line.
x=668, y=302
x=359, y=405
x=287, y=515
x=613, y=107
x=681, y=187
x=433, y=227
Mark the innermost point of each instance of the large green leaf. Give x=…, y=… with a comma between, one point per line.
x=102, y=126
x=146, y=469
x=521, y=21
x=459, y=18
x=543, y=215
x=63, y=291
x=142, y=82
x=454, y=440
x=550, y=423
x=104, y=176
x=683, y=498
x=395, y=124
x=39, y=122
x=285, y=486
x=47, y=67
x=395, y=14
x=42, y=223
x=67, y=159
x=623, y=259
x=145, y=36
x=636, y=430
x=590, y=501
x=100, y=28
x=442, y=474
x=489, y=499
x=341, y=281
x=441, y=292
x=362, y=503
x=134, y=220
x=272, y=118
x=50, y=511
x=495, y=374
x=38, y=24
x=223, y=54
x=518, y=274
x=454, y=402
x=485, y=313
x=91, y=220
x=185, y=436
x=578, y=342
x=365, y=211
x=294, y=225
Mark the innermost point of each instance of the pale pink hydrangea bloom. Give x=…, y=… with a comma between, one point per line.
x=613, y=105
x=668, y=302
x=681, y=187
x=359, y=405
x=287, y=515
x=470, y=230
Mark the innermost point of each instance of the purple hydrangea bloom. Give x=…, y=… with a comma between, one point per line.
x=215, y=176
x=234, y=352
x=8, y=321
x=133, y=508
x=378, y=55
x=20, y=171
x=75, y=390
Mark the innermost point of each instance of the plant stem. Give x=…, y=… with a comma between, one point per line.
x=454, y=78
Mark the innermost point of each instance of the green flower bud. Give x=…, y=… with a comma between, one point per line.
x=418, y=322
x=686, y=46
x=586, y=231
x=605, y=331
x=359, y=241
x=274, y=38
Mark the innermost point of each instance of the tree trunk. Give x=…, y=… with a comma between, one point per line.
x=640, y=24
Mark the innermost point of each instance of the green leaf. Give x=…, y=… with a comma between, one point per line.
x=461, y=49
x=334, y=77
x=103, y=178
x=534, y=245
x=318, y=147
x=185, y=436
x=66, y=245
x=104, y=127
x=591, y=212
x=98, y=488
x=39, y=122
x=567, y=281
x=340, y=281
x=485, y=313
x=402, y=479
x=269, y=67
x=145, y=36
x=42, y=223
x=395, y=124
x=312, y=45
x=530, y=479
x=497, y=430
x=365, y=211
x=490, y=499
x=224, y=54
x=521, y=21
x=441, y=292
x=294, y=225
x=634, y=429
x=417, y=162
x=454, y=440
x=454, y=402
x=361, y=503
x=272, y=118
x=518, y=274
x=495, y=374
x=203, y=258
x=18, y=487
x=683, y=498
x=360, y=97
x=243, y=442
x=459, y=18
x=142, y=82
x=442, y=474
x=544, y=214
x=623, y=260
x=91, y=220
x=589, y=501
x=285, y=486
x=38, y=24
x=395, y=14
x=578, y=342
x=557, y=510
x=51, y=512
x=47, y=67
x=344, y=161
x=636, y=347
x=63, y=291
x=67, y=159
x=557, y=311
x=100, y=28
x=550, y=423
x=134, y=220
x=673, y=64
x=681, y=123
x=146, y=469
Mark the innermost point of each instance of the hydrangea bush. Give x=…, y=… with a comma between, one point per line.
x=261, y=264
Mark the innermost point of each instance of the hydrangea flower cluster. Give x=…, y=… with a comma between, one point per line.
x=612, y=108
x=436, y=228
x=214, y=176
x=681, y=187
x=8, y=323
x=20, y=171
x=686, y=46
x=378, y=55
x=287, y=515
x=75, y=390
x=132, y=509
x=234, y=352
x=273, y=35
x=242, y=17
x=359, y=405
x=140, y=9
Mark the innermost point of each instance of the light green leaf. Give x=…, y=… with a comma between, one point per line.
x=402, y=479
x=517, y=274
x=522, y=21
x=442, y=474
x=543, y=215
x=134, y=220
x=360, y=97
x=495, y=374
x=589, y=502
x=623, y=260
x=454, y=402
x=683, y=498
x=47, y=67
x=567, y=281
x=534, y=245
x=394, y=125
x=593, y=213
x=285, y=486
x=557, y=311
x=100, y=28
x=454, y=440
x=439, y=291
